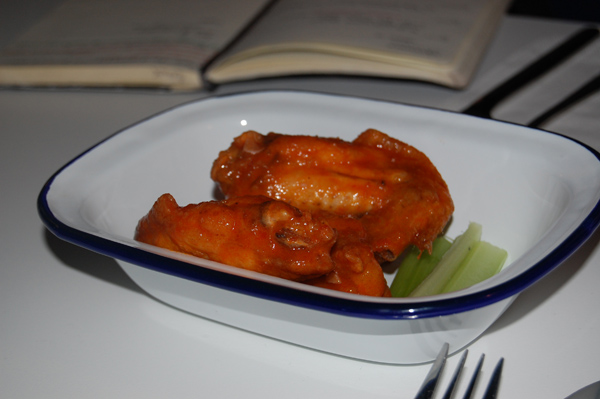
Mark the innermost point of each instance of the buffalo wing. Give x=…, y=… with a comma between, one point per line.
x=254, y=233
x=391, y=187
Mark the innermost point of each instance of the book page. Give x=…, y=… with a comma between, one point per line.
x=179, y=32
x=429, y=29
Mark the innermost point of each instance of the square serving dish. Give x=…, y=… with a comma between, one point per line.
x=535, y=193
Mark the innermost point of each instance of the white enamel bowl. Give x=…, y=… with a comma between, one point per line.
x=535, y=193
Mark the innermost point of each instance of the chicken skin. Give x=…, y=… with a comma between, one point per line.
x=253, y=232
x=271, y=237
x=355, y=268
x=392, y=188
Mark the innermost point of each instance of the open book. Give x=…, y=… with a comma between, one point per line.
x=181, y=44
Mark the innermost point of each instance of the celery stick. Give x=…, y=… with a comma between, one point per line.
x=416, y=266
x=405, y=273
x=450, y=262
x=440, y=246
x=483, y=262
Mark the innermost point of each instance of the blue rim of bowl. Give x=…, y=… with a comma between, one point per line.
x=427, y=308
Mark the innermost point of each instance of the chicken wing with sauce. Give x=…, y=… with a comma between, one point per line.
x=268, y=236
x=254, y=233
x=391, y=187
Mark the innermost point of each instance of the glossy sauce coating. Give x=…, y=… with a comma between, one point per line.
x=391, y=187
x=253, y=233
x=356, y=269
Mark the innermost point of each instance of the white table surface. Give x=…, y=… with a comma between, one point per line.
x=72, y=324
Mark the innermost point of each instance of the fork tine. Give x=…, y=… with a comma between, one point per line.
x=492, y=389
x=456, y=375
x=471, y=386
x=429, y=384
x=431, y=380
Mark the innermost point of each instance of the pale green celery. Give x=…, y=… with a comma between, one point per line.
x=450, y=262
x=417, y=265
x=484, y=261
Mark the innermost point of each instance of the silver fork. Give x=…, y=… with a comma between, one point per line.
x=428, y=387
